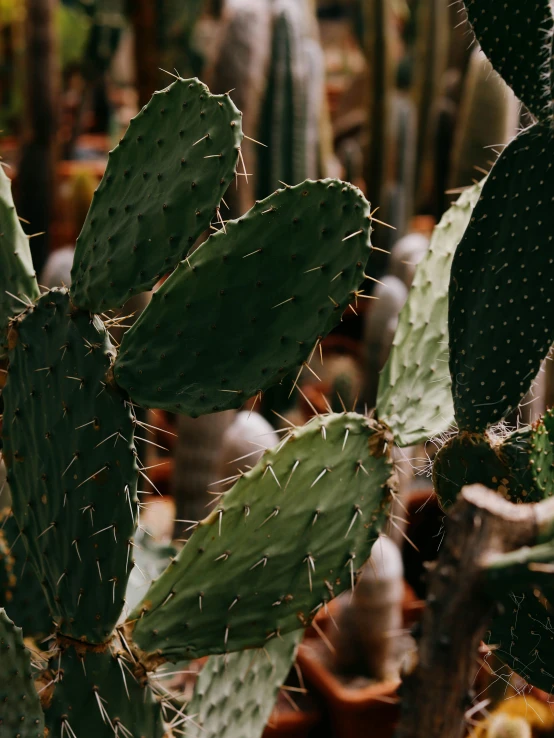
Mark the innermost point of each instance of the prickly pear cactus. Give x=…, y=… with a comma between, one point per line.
x=415, y=395
x=20, y=711
x=234, y=695
x=276, y=546
x=247, y=308
x=161, y=190
x=292, y=264
x=68, y=449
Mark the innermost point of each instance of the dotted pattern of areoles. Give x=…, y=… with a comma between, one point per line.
x=68, y=447
x=20, y=711
x=501, y=316
x=289, y=535
x=517, y=38
x=17, y=274
x=248, y=307
x=235, y=693
x=415, y=395
x=160, y=192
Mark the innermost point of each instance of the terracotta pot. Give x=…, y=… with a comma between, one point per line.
x=287, y=722
x=354, y=710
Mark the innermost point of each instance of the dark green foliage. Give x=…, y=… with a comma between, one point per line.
x=234, y=694
x=20, y=712
x=501, y=317
x=17, y=275
x=71, y=464
x=280, y=543
x=288, y=269
x=97, y=695
x=161, y=190
x=517, y=38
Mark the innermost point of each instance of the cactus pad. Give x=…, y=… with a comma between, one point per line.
x=250, y=304
x=289, y=535
x=97, y=696
x=415, y=396
x=523, y=637
x=17, y=275
x=517, y=38
x=68, y=446
x=161, y=189
x=465, y=459
x=20, y=592
x=235, y=694
x=500, y=312
x=530, y=455
x=20, y=712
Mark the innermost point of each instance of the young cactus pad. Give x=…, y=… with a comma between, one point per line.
x=68, y=447
x=235, y=693
x=20, y=712
x=288, y=537
x=501, y=321
x=517, y=38
x=18, y=284
x=251, y=303
x=414, y=397
x=161, y=189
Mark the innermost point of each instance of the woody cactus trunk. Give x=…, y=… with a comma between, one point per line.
x=240, y=313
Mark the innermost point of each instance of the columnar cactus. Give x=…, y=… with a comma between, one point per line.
x=247, y=308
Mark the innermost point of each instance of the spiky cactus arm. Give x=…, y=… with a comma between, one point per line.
x=483, y=530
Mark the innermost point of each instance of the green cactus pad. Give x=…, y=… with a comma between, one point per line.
x=501, y=321
x=415, y=393
x=529, y=453
x=288, y=536
x=20, y=712
x=235, y=694
x=517, y=38
x=97, y=696
x=161, y=190
x=522, y=635
x=468, y=458
x=250, y=304
x=68, y=446
x=20, y=592
x=17, y=275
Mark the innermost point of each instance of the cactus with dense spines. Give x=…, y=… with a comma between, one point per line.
x=414, y=397
x=318, y=232
x=268, y=555
x=292, y=265
x=234, y=695
x=20, y=712
x=20, y=591
x=161, y=190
